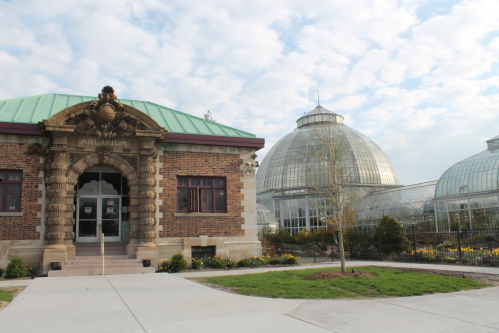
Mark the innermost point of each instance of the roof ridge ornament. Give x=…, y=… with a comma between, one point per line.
x=104, y=118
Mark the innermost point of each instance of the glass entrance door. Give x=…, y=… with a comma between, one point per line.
x=87, y=220
x=98, y=215
x=110, y=219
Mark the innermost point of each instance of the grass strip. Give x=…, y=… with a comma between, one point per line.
x=387, y=282
x=6, y=295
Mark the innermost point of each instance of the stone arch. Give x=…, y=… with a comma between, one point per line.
x=93, y=159
x=127, y=170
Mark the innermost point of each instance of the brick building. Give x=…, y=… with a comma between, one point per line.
x=158, y=180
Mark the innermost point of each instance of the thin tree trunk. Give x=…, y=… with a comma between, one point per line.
x=342, y=250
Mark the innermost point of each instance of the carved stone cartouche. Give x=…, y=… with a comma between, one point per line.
x=105, y=118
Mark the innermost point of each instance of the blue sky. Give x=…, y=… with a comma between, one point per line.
x=420, y=78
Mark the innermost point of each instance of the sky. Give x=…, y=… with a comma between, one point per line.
x=419, y=78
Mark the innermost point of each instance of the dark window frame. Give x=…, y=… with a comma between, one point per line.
x=194, y=190
x=3, y=192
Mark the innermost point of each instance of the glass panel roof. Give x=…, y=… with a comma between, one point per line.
x=286, y=165
x=478, y=173
x=409, y=200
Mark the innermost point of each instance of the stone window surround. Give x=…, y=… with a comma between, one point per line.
x=213, y=187
x=4, y=195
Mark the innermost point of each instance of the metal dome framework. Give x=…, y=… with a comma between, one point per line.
x=468, y=191
x=282, y=179
x=408, y=204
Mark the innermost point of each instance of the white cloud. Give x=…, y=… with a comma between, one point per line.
x=424, y=89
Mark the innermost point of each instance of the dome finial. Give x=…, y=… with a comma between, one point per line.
x=318, y=102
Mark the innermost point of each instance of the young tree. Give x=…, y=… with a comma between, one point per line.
x=330, y=178
x=209, y=116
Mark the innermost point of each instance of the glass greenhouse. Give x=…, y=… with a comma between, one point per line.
x=283, y=179
x=468, y=191
x=265, y=218
x=408, y=204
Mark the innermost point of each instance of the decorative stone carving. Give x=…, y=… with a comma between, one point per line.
x=104, y=153
x=62, y=166
x=77, y=168
x=147, y=168
x=105, y=118
x=74, y=157
x=148, y=181
x=148, y=194
x=56, y=193
x=147, y=208
x=57, y=207
x=148, y=221
x=89, y=161
x=58, y=179
x=132, y=159
x=147, y=235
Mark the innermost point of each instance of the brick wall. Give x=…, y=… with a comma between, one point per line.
x=13, y=156
x=183, y=163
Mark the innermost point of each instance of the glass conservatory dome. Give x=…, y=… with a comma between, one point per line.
x=475, y=174
x=285, y=165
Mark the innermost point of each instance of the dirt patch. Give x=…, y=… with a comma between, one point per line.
x=216, y=286
x=492, y=279
x=327, y=275
x=17, y=291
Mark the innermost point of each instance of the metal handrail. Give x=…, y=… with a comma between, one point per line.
x=102, y=247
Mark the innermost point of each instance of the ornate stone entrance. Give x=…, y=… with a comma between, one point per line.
x=102, y=132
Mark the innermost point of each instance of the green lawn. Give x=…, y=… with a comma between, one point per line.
x=6, y=295
x=387, y=282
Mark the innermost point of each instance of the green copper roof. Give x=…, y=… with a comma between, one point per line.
x=34, y=109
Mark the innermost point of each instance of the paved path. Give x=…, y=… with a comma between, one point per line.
x=169, y=303
x=455, y=268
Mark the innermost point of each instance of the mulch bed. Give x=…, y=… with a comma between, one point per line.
x=326, y=275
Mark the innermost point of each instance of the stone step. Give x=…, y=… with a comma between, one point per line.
x=98, y=244
x=99, y=266
x=99, y=262
x=111, y=271
x=106, y=257
x=95, y=254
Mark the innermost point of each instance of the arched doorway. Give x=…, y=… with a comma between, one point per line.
x=102, y=202
x=96, y=134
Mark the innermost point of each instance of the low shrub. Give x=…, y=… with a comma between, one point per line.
x=197, y=263
x=245, y=262
x=289, y=259
x=215, y=262
x=257, y=261
x=33, y=271
x=16, y=269
x=230, y=263
x=1, y=272
x=164, y=265
x=178, y=263
x=275, y=261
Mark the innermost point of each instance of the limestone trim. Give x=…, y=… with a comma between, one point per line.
x=11, y=213
x=195, y=214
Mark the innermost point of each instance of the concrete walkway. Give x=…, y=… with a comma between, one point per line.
x=170, y=303
x=455, y=268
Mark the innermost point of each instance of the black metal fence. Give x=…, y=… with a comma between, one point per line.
x=474, y=247
x=309, y=247
x=423, y=245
